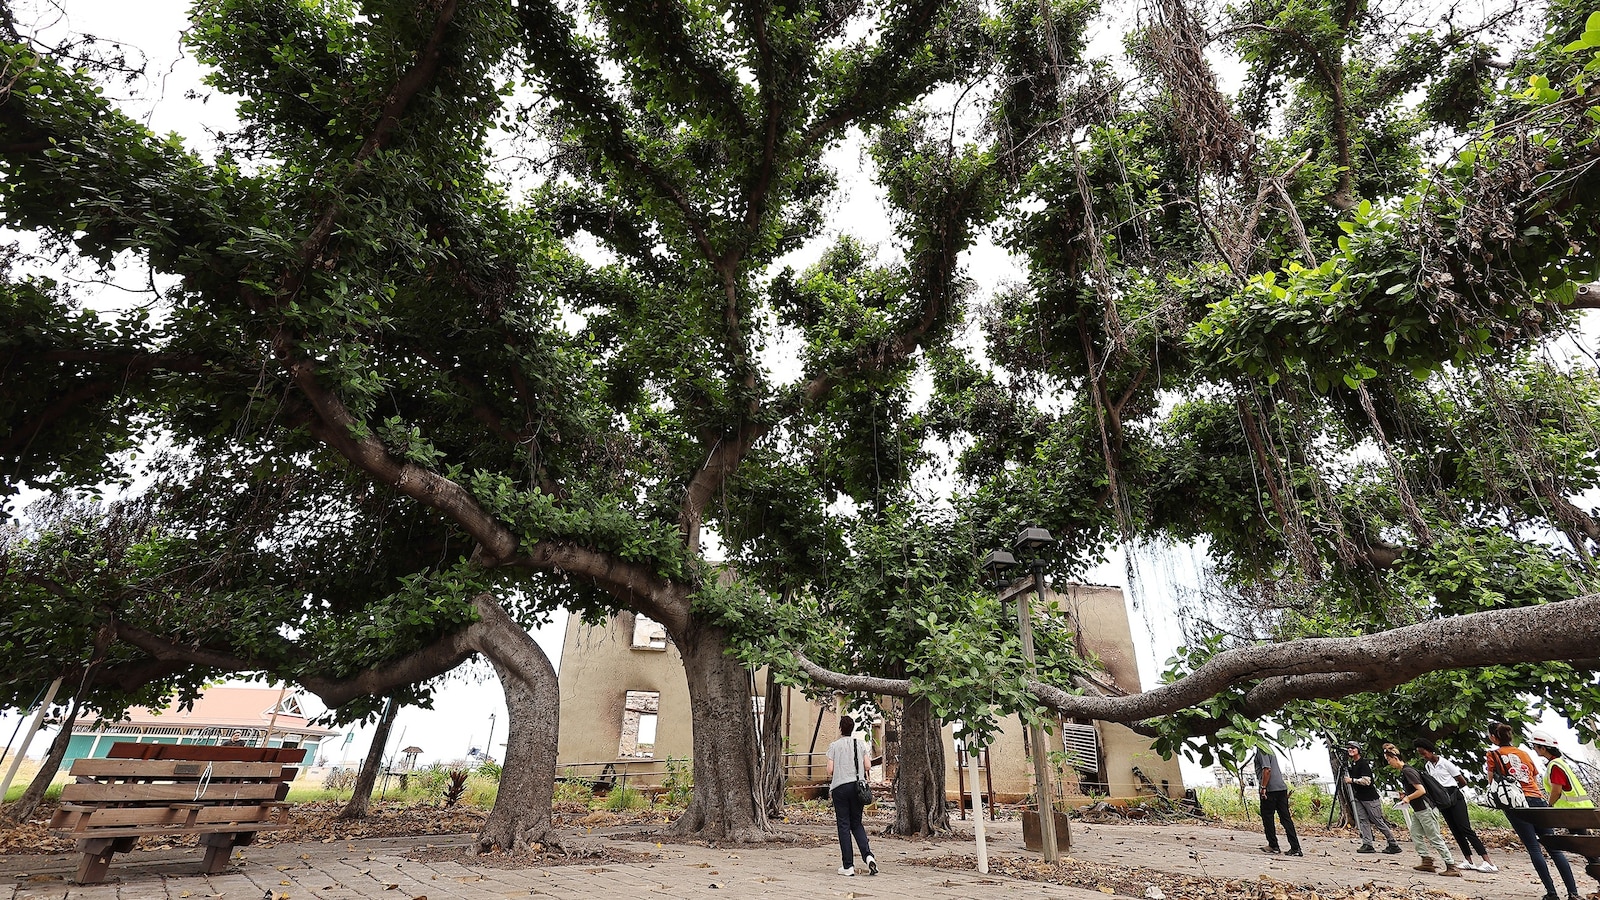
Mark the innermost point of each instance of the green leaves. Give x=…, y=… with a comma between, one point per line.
x=1590, y=39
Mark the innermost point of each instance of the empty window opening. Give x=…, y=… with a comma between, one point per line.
x=648, y=634
x=640, y=712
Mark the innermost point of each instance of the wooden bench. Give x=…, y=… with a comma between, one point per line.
x=1585, y=845
x=223, y=794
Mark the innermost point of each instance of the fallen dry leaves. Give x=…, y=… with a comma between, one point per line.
x=1134, y=881
x=539, y=857
x=309, y=822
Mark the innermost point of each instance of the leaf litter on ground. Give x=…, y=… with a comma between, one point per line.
x=1137, y=881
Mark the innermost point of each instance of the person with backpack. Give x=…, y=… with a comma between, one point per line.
x=1450, y=778
x=1515, y=763
x=849, y=767
x=1561, y=782
x=1424, y=816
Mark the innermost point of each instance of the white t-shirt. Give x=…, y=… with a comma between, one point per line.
x=844, y=768
x=1444, y=771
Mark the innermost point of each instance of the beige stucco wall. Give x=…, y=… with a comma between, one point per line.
x=599, y=666
x=1105, y=632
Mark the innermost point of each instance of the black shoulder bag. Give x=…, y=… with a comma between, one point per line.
x=863, y=790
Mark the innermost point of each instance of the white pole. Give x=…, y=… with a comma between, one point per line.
x=33, y=729
x=977, y=808
x=274, y=720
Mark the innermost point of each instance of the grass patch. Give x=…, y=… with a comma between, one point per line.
x=1307, y=803
x=26, y=770
x=1310, y=803
x=307, y=793
x=1486, y=817
x=622, y=798
x=573, y=792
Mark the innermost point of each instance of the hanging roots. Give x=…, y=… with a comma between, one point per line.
x=1208, y=135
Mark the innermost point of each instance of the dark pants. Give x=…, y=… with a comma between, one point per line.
x=847, y=808
x=1530, y=839
x=1277, y=802
x=1455, y=816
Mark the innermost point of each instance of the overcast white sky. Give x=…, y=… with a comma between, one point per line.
x=461, y=715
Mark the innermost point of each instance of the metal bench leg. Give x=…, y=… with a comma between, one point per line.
x=97, y=853
x=219, y=850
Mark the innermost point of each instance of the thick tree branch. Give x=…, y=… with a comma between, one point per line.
x=443, y=655
x=497, y=545
x=635, y=585
x=722, y=459
x=1324, y=668
x=1550, y=631
x=168, y=650
x=855, y=684
x=338, y=428
x=934, y=272
x=573, y=77
x=400, y=96
x=882, y=81
x=134, y=367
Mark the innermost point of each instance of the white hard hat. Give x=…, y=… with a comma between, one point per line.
x=1540, y=736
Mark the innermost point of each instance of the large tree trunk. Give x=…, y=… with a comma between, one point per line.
x=368, y=777
x=21, y=810
x=774, y=780
x=725, y=805
x=521, y=814
x=919, y=806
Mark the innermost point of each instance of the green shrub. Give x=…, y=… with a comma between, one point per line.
x=678, y=783
x=623, y=798
x=430, y=781
x=1307, y=803
x=491, y=770
x=573, y=792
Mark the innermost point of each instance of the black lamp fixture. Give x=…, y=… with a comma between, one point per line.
x=1032, y=540
x=996, y=563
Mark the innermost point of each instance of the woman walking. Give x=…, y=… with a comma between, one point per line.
x=849, y=767
x=1456, y=815
x=1507, y=760
x=1424, y=816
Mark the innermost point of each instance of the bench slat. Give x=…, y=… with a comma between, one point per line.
x=136, y=831
x=173, y=819
x=180, y=769
x=176, y=815
x=144, y=793
x=133, y=750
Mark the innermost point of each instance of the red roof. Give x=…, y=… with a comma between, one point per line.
x=231, y=707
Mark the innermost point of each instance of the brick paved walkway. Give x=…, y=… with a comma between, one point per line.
x=380, y=870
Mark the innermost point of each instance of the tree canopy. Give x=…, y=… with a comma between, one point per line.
x=1308, y=324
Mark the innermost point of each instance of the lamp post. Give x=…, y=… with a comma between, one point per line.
x=1031, y=542
x=488, y=747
